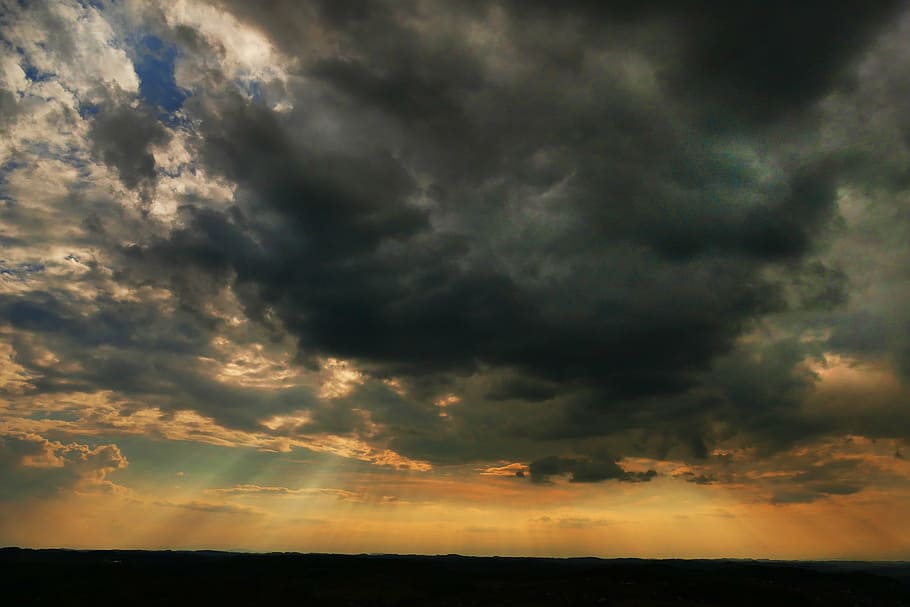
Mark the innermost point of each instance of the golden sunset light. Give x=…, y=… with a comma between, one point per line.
x=493, y=278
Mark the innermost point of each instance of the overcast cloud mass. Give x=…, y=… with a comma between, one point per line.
x=578, y=265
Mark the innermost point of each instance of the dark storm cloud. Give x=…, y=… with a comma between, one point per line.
x=844, y=477
x=563, y=222
x=700, y=479
x=576, y=216
x=584, y=470
x=122, y=137
x=354, y=269
x=744, y=62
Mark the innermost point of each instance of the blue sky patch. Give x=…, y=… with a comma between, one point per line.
x=21, y=270
x=155, y=67
x=88, y=110
x=31, y=72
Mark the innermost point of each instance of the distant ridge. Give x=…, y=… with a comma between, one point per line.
x=65, y=576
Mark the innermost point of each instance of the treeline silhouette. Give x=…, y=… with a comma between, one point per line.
x=164, y=578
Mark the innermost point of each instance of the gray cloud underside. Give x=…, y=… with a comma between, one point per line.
x=570, y=216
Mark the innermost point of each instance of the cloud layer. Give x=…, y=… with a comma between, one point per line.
x=590, y=242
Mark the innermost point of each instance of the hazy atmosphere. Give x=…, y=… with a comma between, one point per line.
x=504, y=277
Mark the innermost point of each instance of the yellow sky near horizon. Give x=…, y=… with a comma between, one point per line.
x=441, y=277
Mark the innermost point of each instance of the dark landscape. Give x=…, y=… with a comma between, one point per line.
x=342, y=287
x=117, y=577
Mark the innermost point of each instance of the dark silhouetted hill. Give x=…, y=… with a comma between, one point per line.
x=139, y=578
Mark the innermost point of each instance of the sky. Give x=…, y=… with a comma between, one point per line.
x=501, y=277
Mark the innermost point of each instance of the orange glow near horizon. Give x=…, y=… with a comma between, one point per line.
x=488, y=278
x=475, y=515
